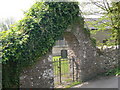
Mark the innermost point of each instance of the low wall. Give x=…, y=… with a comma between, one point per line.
x=108, y=58
x=39, y=75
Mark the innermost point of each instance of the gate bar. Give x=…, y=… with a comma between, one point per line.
x=60, y=69
x=73, y=67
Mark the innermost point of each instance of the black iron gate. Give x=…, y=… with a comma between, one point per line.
x=65, y=71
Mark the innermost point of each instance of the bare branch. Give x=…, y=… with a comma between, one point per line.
x=97, y=3
x=108, y=6
x=104, y=2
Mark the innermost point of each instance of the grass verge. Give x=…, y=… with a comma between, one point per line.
x=115, y=72
x=73, y=84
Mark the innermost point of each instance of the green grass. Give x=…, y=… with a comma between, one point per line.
x=56, y=57
x=68, y=80
x=65, y=71
x=115, y=72
x=64, y=65
x=73, y=84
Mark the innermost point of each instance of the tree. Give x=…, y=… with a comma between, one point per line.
x=110, y=19
x=111, y=14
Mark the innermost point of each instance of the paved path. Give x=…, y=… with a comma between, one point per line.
x=101, y=82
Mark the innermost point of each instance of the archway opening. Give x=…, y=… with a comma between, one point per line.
x=65, y=65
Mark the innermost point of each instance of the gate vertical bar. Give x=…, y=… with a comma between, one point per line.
x=60, y=69
x=73, y=67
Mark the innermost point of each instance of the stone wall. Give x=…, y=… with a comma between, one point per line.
x=56, y=51
x=79, y=41
x=90, y=60
x=39, y=75
x=108, y=58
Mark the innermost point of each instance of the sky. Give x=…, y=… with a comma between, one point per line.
x=15, y=8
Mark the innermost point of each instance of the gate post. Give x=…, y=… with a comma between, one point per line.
x=60, y=69
x=73, y=60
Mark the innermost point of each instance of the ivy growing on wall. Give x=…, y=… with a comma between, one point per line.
x=34, y=36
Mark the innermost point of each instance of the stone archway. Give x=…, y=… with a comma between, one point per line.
x=90, y=62
x=41, y=74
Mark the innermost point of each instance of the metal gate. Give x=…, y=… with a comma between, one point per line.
x=65, y=71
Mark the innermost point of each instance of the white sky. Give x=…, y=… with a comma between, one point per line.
x=15, y=8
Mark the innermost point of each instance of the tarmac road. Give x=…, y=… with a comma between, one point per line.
x=102, y=82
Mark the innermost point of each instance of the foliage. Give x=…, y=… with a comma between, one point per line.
x=93, y=40
x=115, y=72
x=110, y=20
x=33, y=37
